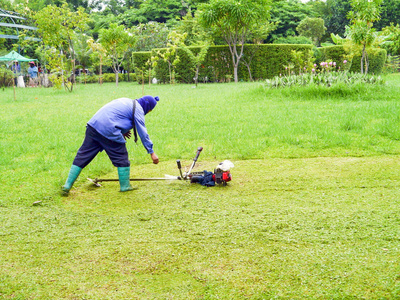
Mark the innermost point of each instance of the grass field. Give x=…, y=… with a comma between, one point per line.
x=312, y=212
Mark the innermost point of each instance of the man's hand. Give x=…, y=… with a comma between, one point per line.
x=154, y=157
x=127, y=135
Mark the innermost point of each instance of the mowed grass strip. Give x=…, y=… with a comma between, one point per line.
x=318, y=228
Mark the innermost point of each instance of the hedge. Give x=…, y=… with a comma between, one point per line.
x=110, y=77
x=139, y=63
x=336, y=54
x=265, y=61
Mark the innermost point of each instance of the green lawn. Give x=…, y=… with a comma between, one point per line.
x=312, y=211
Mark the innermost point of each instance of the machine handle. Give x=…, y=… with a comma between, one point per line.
x=178, y=162
x=198, y=153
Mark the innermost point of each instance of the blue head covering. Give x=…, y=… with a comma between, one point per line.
x=148, y=103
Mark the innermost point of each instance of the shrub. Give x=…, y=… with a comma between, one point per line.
x=130, y=77
x=108, y=77
x=6, y=77
x=87, y=79
x=376, y=58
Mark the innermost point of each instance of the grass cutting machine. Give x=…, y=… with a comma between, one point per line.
x=220, y=176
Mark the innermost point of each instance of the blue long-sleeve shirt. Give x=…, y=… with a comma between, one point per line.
x=115, y=119
x=33, y=72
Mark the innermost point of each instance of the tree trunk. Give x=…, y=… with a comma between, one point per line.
x=362, y=60
x=101, y=74
x=196, y=78
x=235, y=73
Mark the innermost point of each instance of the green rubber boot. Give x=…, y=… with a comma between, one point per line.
x=72, y=176
x=123, y=176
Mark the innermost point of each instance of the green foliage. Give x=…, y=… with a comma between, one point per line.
x=195, y=33
x=196, y=58
x=150, y=36
x=140, y=64
x=59, y=32
x=376, y=59
x=288, y=15
x=312, y=28
x=117, y=41
x=390, y=14
x=293, y=40
x=6, y=77
x=360, y=32
x=233, y=20
x=336, y=54
x=392, y=43
x=108, y=77
x=83, y=78
x=335, y=16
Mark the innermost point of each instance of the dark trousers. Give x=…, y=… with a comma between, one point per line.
x=94, y=143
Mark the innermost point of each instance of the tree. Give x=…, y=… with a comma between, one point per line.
x=116, y=41
x=390, y=14
x=157, y=11
x=82, y=50
x=150, y=36
x=196, y=59
x=360, y=32
x=335, y=16
x=195, y=33
x=233, y=20
x=169, y=55
x=57, y=27
x=98, y=54
x=287, y=15
x=312, y=28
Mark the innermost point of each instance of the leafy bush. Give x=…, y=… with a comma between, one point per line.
x=132, y=77
x=87, y=79
x=108, y=77
x=6, y=77
x=376, y=58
